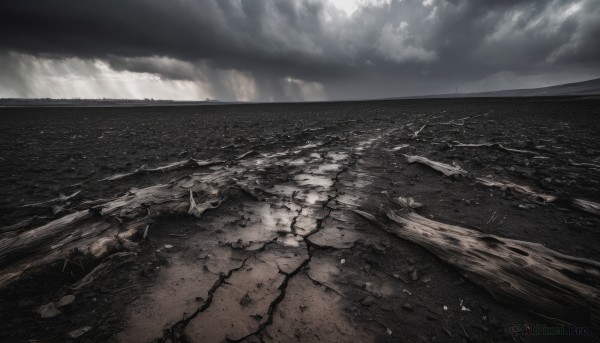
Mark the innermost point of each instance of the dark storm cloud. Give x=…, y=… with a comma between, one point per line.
x=385, y=48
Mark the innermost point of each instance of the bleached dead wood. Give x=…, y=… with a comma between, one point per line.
x=246, y=154
x=60, y=199
x=32, y=239
x=124, y=175
x=93, y=231
x=172, y=166
x=106, y=266
x=449, y=170
x=197, y=210
x=102, y=227
x=445, y=169
x=491, y=145
x=476, y=116
x=414, y=135
x=457, y=122
x=533, y=195
x=525, y=275
x=588, y=165
x=587, y=206
x=18, y=226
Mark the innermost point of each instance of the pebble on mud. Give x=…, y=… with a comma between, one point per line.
x=368, y=301
x=79, y=332
x=246, y=300
x=48, y=310
x=66, y=301
x=379, y=248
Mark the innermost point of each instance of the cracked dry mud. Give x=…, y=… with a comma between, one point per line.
x=306, y=222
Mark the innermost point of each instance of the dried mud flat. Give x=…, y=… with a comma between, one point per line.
x=384, y=221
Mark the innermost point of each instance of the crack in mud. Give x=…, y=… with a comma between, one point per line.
x=310, y=247
x=271, y=238
x=175, y=333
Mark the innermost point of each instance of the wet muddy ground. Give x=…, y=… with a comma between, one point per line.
x=276, y=249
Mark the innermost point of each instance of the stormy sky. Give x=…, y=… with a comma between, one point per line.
x=284, y=50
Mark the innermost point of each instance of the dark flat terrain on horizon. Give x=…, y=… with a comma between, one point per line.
x=46, y=151
x=589, y=88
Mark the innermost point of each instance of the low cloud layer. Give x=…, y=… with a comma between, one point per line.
x=281, y=50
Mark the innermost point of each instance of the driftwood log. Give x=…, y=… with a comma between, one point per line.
x=109, y=227
x=587, y=206
x=175, y=165
x=524, y=275
x=449, y=170
x=526, y=190
x=520, y=274
x=496, y=146
x=445, y=169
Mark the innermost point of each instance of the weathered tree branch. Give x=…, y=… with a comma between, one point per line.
x=533, y=195
x=587, y=206
x=445, y=169
x=493, y=146
x=521, y=274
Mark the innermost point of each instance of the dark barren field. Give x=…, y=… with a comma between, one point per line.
x=448, y=220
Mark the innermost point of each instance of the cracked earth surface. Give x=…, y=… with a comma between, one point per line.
x=275, y=248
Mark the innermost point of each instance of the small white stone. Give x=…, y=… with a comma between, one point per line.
x=445, y=308
x=66, y=301
x=389, y=332
x=343, y=261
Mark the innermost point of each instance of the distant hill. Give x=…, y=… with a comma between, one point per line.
x=584, y=88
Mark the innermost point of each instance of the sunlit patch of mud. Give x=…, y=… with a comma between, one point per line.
x=306, y=196
x=290, y=240
x=257, y=223
x=314, y=180
x=365, y=144
x=307, y=221
x=307, y=146
x=311, y=313
x=356, y=180
x=172, y=297
x=240, y=306
x=295, y=162
x=286, y=258
x=327, y=168
x=336, y=234
x=180, y=289
x=337, y=156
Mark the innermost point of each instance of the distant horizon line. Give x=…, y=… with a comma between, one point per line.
x=209, y=100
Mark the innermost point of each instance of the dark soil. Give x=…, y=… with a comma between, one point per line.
x=47, y=151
